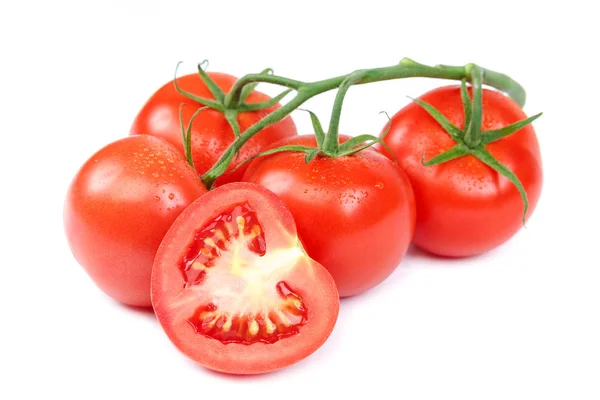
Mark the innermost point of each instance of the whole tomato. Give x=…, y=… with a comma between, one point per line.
x=464, y=207
x=118, y=208
x=355, y=214
x=211, y=133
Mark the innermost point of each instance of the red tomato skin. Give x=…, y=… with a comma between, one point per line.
x=211, y=133
x=355, y=215
x=465, y=208
x=118, y=208
x=308, y=278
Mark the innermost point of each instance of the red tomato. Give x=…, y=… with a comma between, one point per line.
x=355, y=214
x=211, y=133
x=118, y=208
x=463, y=206
x=233, y=288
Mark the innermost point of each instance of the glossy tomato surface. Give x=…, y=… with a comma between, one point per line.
x=211, y=133
x=355, y=214
x=233, y=288
x=118, y=208
x=464, y=207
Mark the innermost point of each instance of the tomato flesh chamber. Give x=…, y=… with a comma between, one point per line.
x=249, y=300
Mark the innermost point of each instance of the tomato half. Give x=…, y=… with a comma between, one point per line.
x=355, y=214
x=465, y=207
x=211, y=133
x=233, y=288
x=118, y=208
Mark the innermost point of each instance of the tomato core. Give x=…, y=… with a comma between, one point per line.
x=249, y=301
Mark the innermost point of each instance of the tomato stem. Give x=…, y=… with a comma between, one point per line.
x=331, y=143
x=250, y=88
x=472, y=136
x=406, y=68
x=234, y=97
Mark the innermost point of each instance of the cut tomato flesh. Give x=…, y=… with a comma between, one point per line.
x=231, y=236
x=249, y=302
x=283, y=321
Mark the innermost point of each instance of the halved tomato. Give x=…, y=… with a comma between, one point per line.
x=233, y=287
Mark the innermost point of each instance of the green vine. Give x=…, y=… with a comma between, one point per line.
x=234, y=102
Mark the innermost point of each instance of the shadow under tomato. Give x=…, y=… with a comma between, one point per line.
x=420, y=254
x=146, y=312
x=396, y=276
x=234, y=377
x=446, y=261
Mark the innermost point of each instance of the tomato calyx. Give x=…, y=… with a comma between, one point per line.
x=221, y=103
x=346, y=148
x=472, y=140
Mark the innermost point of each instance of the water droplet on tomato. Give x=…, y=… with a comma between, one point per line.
x=171, y=196
x=156, y=198
x=379, y=185
x=155, y=175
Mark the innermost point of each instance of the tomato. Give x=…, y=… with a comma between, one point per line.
x=233, y=288
x=118, y=208
x=355, y=214
x=465, y=207
x=211, y=133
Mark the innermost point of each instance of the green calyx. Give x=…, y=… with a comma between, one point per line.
x=472, y=140
x=221, y=103
x=347, y=148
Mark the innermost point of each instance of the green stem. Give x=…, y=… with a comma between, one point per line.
x=473, y=131
x=331, y=143
x=305, y=90
x=233, y=99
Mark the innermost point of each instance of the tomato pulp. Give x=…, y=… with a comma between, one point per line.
x=465, y=207
x=211, y=133
x=355, y=214
x=118, y=208
x=233, y=288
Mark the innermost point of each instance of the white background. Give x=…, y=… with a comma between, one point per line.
x=518, y=323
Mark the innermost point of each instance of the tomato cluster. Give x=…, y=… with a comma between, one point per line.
x=246, y=277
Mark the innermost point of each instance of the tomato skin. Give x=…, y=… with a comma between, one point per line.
x=464, y=207
x=119, y=206
x=309, y=279
x=211, y=133
x=355, y=214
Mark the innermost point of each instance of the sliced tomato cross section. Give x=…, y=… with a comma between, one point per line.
x=233, y=287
